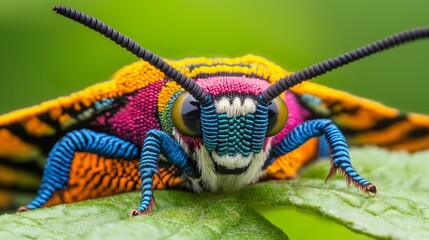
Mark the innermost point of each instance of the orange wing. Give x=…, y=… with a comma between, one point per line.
x=362, y=121
x=366, y=122
x=287, y=166
x=93, y=176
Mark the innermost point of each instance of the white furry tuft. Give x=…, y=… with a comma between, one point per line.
x=194, y=182
x=236, y=108
x=215, y=182
x=231, y=162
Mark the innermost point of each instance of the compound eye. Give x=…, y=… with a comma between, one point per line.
x=277, y=116
x=185, y=114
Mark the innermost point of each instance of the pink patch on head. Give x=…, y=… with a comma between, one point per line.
x=139, y=115
x=223, y=84
x=297, y=115
x=191, y=142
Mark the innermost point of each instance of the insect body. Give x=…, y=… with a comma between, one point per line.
x=202, y=124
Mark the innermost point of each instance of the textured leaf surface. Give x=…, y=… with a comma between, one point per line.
x=399, y=211
x=181, y=215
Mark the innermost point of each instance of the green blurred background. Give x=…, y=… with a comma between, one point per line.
x=44, y=56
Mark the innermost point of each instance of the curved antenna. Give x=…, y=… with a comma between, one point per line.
x=321, y=68
x=187, y=83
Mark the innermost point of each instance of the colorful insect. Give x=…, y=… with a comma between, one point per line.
x=200, y=124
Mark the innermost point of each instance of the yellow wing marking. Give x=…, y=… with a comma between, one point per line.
x=136, y=76
x=165, y=94
x=37, y=128
x=368, y=122
x=126, y=80
x=258, y=66
x=368, y=111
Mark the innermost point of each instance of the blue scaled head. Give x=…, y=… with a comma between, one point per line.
x=229, y=124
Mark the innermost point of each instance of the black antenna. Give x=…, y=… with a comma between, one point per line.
x=188, y=84
x=323, y=67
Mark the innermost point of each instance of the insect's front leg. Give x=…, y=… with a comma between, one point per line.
x=337, y=144
x=56, y=174
x=158, y=142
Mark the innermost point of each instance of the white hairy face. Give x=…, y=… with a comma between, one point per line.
x=214, y=181
x=231, y=171
x=236, y=106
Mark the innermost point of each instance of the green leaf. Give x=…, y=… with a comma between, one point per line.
x=194, y=217
x=179, y=214
x=399, y=211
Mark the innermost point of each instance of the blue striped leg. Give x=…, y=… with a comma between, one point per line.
x=337, y=144
x=157, y=142
x=57, y=168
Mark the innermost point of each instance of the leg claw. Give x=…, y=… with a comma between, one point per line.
x=23, y=209
x=371, y=190
x=135, y=212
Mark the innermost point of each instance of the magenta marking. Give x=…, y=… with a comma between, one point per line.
x=139, y=115
x=222, y=84
x=191, y=142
